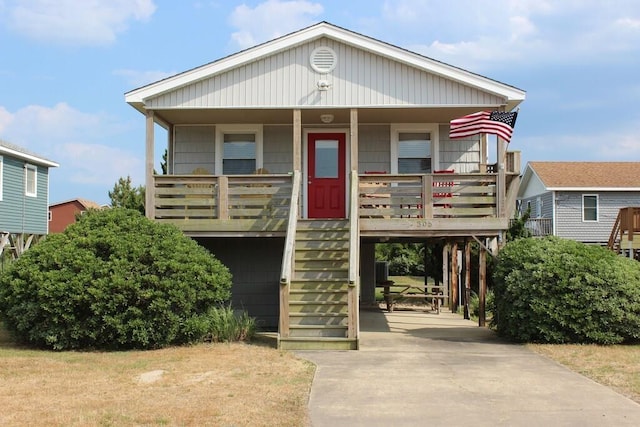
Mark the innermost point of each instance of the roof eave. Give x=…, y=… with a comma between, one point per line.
x=27, y=157
x=594, y=189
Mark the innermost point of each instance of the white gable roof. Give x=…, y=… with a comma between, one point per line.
x=512, y=95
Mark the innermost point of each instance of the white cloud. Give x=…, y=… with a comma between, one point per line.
x=80, y=142
x=271, y=19
x=484, y=34
x=608, y=145
x=98, y=164
x=75, y=22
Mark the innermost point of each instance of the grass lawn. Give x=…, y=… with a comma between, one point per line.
x=207, y=384
x=616, y=366
x=400, y=281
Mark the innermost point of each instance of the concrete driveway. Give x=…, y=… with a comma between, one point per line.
x=416, y=368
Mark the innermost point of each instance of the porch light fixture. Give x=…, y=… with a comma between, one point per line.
x=326, y=118
x=323, y=85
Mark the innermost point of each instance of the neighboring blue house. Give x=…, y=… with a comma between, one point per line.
x=578, y=200
x=24, y=197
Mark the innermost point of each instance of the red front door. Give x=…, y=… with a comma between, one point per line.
x=326, y=182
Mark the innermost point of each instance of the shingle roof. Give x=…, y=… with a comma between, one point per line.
x=20, y=152
x=588, y=174
x=88, y=204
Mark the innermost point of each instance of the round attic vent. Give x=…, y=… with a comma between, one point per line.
x=323, y=59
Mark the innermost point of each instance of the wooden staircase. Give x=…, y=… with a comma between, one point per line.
x=318, y=295
x=625, y=234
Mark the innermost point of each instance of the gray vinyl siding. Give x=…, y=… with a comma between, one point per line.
x=278, y=149
x=542, y=203
x=286, y=79
x=255, y=265
x=194, y=147
x=569, y=215
x=19, y=213
x=374, y=148
x=459, y=155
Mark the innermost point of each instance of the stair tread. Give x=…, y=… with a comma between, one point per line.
x=318, y=326
x=305, y=314
x=318, y=302
x=318, y=339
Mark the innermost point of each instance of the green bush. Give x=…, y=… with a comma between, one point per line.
x=113, y=280
x=474, y=304
x=560, y=291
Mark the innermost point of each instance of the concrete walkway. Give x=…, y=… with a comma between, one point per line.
x=416, y=368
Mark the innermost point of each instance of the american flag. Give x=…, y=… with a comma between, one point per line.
x=495, y=122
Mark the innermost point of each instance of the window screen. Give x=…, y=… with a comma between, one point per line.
x=589, y=208
x=31, y=180
x=414, y=152
x=239, y=154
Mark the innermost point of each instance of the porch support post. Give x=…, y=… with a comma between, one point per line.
x=483, y=153
x=502, y=183
x=149, y=155
x=297, y=140
x=454, y=277
x=170, y=149
x=467, y=278
x=445, y=269
x=354, y=139
x=482, y=286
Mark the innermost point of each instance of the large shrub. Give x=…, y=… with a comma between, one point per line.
x=560, y=291
x=113, y=280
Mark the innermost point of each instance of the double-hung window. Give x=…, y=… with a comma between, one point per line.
x=30, y=180
x=239, y=150
x=589, y=207
x=414, y=152
x=239, y=154
x=412, y=148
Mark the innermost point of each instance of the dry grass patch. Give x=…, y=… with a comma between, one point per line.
x=616, y=366
x=219, y=384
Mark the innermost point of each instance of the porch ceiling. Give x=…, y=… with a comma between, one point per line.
x=312, y=116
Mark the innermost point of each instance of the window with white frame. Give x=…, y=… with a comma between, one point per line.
x=412, y=148
x=589, y=207
x=239, y=149
x=30, y=180
x=1, y=175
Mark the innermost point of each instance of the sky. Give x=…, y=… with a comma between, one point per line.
x=65, y=66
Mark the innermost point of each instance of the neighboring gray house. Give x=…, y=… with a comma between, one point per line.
x=24, y=197
x=578, y=200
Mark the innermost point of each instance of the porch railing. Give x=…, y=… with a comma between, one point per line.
x=539, y=227
x=208, y=197
x=442, y=195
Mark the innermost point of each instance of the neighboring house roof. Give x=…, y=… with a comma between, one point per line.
x=584, y=176
x=512, y=95
x=87, y=204
x=20, y=153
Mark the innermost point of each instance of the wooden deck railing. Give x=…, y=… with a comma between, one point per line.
x=626, y=225
x=447, y=195
x=242, y=205
x=208, y=197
